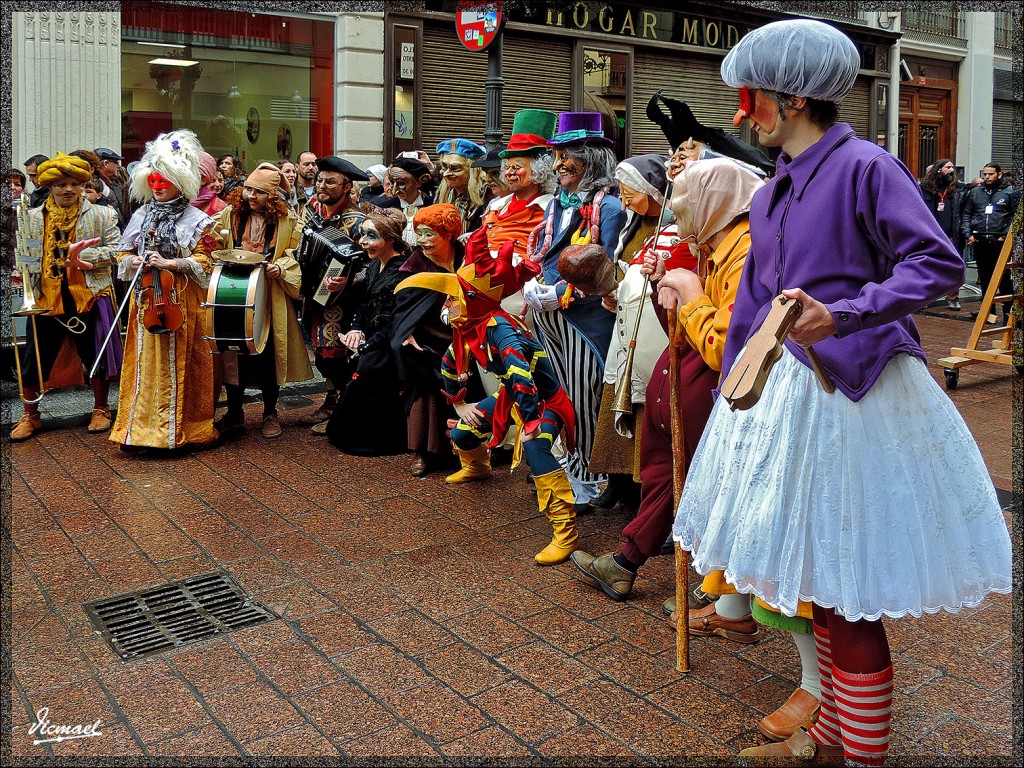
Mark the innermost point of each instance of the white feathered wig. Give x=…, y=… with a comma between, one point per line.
x=175, y=156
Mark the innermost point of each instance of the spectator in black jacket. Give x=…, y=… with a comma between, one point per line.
x=988, y=211
x=945, y=196
x=39, y=194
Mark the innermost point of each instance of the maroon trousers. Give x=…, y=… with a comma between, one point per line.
x=647, y=532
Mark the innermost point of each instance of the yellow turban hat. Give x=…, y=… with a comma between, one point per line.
x=63, y=165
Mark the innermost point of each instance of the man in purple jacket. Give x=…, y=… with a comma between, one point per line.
x=871, y=500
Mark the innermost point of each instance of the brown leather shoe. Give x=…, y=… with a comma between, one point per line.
x=271, y=426
x=706, y=622
x=101, y=420
x=799, y=711
x=27, y=426
x=799, y=746
x=321, y=414
x=616, y=581
x=418, y=467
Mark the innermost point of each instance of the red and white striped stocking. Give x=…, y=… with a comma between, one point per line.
x=826, y=730
x=865, y=712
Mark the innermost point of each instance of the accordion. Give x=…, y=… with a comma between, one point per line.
x=320, y=247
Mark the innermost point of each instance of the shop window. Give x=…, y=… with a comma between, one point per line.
x=253, y=85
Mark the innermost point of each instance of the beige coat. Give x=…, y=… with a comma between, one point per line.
x=289, y=346
x=94, y=221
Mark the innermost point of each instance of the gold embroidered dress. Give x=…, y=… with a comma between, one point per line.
x=166, y=397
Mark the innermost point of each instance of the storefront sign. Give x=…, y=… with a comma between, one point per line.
x=639, y=23
x=408, y=63
x=478, y=24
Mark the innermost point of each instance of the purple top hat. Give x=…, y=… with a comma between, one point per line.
x=579, y=128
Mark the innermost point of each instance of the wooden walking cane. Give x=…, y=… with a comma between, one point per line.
x=678, y=449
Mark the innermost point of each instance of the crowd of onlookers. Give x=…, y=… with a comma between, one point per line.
x=975, y=216
x=472, y=181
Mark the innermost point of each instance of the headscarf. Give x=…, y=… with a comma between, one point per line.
x=645, y=173
x=207, y=175
x=268, y=177
x=207, y=168
x=443, y=218
x=63, y=165
x=801, y=57
x=709, y=194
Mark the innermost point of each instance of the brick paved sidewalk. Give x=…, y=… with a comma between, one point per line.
x=413, y=622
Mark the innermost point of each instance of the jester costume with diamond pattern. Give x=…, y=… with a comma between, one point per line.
x=530, y=395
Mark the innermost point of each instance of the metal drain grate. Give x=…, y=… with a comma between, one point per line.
x=156, y=619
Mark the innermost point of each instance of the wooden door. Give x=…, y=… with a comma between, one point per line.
x=926, y=127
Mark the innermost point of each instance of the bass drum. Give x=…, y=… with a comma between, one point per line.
x=236, y=306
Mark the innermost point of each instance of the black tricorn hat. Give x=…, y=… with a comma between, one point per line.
x=335, y=164
x=680, y=125
x=491, y=159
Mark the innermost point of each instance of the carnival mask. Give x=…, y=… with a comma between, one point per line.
x=455, y=171
x=158, y=181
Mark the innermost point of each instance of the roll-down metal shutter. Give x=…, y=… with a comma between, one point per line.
x=535, y=71
x=855, y=108
x=697, y=81
x=1002, y=132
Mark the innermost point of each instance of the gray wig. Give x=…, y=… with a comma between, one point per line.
x=598, y=166
x=541, y=173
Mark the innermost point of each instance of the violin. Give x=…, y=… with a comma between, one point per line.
x=158, y=299
x=743, y=386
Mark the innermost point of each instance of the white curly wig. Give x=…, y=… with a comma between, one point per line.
x=173, y=155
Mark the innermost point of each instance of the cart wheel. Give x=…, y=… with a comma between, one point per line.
x=952, y=377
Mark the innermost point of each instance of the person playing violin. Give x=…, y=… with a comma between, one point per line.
x=166, y=397
x=70, y=277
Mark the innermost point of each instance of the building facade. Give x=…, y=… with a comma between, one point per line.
x=367, y=84
x=262, y=86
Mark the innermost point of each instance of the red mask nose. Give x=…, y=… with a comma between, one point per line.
x=157, y=181
x=746, y=99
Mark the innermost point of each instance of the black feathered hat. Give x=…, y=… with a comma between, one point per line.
x=680, y=125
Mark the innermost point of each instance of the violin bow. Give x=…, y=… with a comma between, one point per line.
x=124, y=303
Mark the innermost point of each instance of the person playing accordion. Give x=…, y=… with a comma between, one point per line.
x=331, y=263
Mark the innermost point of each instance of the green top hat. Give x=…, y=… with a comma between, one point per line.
x=531, y=131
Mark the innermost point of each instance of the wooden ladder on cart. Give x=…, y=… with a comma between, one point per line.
x=1000, y=349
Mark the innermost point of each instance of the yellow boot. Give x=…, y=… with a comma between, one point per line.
x=476, y=465
x=555, y=499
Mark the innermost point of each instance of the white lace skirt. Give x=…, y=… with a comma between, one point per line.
x=883, y=506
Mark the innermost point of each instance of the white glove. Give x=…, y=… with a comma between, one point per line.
x=540, y=297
